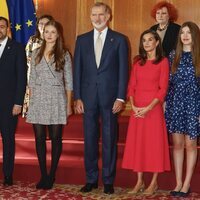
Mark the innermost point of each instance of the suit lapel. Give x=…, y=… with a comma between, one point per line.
x=91, y=45
x=107, y=45
x=167, y=34
x=6, y=49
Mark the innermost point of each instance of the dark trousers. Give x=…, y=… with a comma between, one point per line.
x=7, y=127
x=109, y=147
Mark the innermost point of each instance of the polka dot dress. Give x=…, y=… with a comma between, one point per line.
x=183, y=98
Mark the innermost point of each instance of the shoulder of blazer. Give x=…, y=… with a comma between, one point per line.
x=9, y=43
x=174, y=27
x=110, y=31
x=154, y=27
x=14, y=44
x=115, y=34
x=86, y=35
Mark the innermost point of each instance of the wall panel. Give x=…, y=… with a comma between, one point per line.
x=130, y=17
x=188, y=10
x=65, y=12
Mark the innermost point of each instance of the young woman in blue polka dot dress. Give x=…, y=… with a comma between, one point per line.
x=183, y=104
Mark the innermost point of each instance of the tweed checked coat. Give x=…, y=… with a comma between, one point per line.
x=48, y=102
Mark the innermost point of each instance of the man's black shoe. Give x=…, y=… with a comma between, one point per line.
x=88, y=187
x=8, y=181
x=108, y=189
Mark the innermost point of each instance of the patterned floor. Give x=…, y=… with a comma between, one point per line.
x=27, y=191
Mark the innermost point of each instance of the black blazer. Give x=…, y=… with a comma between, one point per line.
x=13, y=75
x=170, y=38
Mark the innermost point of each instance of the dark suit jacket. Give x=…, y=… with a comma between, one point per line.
x=109, y=81
x=170, y=38
x=13, y=69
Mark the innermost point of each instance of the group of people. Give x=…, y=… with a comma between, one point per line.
x=162, y=72
x=174, y=79
x=48, y=93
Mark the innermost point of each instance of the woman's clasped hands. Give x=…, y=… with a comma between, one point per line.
x=140, y=111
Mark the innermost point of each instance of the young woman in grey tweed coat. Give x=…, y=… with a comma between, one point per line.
x=50, y=86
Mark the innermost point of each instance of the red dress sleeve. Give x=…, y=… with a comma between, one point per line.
x=164, y=78
x=132, y=81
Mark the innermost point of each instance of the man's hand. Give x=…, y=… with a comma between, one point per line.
x=16, y=110
x=117, y=107
x=78, y=106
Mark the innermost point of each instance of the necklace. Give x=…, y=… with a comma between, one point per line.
x=162, y=29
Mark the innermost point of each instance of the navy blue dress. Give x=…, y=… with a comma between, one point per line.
x=183, y=98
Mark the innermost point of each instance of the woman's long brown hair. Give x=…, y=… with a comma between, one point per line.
x=58, y=51
x=142, y=57
x=195, y=48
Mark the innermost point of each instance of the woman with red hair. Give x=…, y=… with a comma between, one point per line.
x=165, y=15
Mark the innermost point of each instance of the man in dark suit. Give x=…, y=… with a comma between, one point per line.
x=12, y=90
x=100, y=81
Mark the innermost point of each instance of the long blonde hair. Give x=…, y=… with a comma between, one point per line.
x=195, y=47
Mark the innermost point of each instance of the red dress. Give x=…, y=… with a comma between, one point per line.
x=147, y=147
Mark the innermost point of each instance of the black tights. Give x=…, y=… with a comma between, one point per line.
x=55, y=134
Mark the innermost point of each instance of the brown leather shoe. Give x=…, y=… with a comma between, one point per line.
x=137, y=189
x=151, y=190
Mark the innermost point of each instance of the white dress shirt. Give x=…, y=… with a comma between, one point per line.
x=3, y=44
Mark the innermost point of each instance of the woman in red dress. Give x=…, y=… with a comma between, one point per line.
x=146, y=147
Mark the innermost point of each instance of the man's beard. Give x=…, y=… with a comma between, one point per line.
x=2, y=36
x=99, y=26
